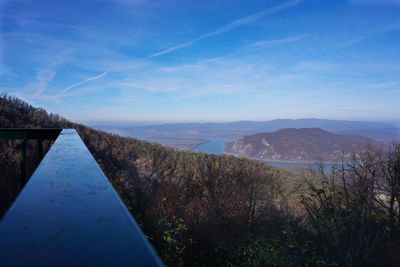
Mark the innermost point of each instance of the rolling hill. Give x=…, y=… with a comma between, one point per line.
x=199, y=209
x=189, y=135
x=289, y=144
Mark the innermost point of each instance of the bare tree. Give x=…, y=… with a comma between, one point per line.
x=341, y=206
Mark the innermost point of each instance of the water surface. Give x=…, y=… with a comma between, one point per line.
x=327, y=167
x=214, y=146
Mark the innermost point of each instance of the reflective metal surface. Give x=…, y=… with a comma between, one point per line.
x=68, y=214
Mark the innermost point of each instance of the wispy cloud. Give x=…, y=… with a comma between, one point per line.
x=374, y=2
x=316, y=66
x=384, y=85
x=231, y=25
x=37, y=90
x=281, y=41
x=63, y=92
x=383, y=30
x=44, y=77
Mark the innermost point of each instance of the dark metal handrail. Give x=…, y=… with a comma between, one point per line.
x=24, y=134
x=68, y=214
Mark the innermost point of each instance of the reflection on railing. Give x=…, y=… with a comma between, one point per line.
x=68, y=214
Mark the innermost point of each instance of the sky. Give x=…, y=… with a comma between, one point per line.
x=196, y=61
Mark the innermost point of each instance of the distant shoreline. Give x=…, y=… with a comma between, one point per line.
x=281, y=161
x=189, y=147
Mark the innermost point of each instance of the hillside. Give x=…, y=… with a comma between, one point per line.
x=194, y=207
x=185, y=135
x=209, y=210
x=305, y=144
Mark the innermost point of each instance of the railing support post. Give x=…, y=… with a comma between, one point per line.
x=23, y=163
x=40, y=148
x=24, y=134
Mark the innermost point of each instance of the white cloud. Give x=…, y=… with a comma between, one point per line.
x=44, y=77
x=37, y=90
x=281, y=41
x=218, y=76
x=231, y=25
x=4, y=69
x=371, y=34
x=368, y=2
x=315, y=66
x=383, y=85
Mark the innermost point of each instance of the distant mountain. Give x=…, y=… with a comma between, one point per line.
x=289, y=144
x=383, y=132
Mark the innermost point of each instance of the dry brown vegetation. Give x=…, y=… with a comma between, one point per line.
x=208, y=210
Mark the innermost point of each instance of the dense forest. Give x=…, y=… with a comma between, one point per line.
x=208, y=210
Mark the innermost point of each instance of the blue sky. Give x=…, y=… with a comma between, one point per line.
x=170, y=60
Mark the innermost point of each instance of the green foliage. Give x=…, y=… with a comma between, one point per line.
x=215, y=210
x=285, y=249
x=174, y=248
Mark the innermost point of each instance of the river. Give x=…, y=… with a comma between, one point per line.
x=216, y=146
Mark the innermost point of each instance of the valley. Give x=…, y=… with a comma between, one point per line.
x=327, y=141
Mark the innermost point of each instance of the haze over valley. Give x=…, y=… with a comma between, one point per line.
x=206, y=121
x=232, y=137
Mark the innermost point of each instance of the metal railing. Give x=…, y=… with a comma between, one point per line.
x=28, y=134
x=68, y=214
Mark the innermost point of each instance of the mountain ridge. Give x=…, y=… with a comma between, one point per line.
x=299, y=145
x=383, y=132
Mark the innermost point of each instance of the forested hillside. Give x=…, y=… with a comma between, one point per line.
x=304, y=144
x=209, y=210
x=196, y=132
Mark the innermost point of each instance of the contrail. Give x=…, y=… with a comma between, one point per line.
x=231, y=25
x=282, y=41
x=63, y=92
